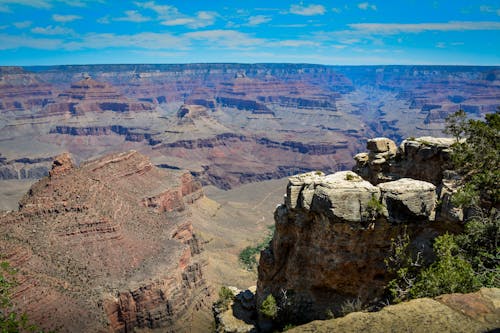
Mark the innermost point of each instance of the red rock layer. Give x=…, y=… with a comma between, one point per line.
x=91, y=257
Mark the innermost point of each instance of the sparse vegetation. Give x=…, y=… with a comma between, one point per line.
x=351, y=305
x=450, y=273
x=349, y=176
x=248, y=256
x=269, y=308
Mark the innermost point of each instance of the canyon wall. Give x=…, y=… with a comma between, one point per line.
x=231, y=124
x=108, y=247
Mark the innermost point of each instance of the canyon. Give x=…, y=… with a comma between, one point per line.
x=128, y=191
x=228, y=124
x=108, y=247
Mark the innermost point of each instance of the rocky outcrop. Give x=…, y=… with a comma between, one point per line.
x=464, y=313
x=424, y=158
x=91, y=256
x=427, y=159
x=332, y=235
x=61, y=165
x=187, y=113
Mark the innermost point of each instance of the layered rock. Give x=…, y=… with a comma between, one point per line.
x=93, y=257
x=332, y=235
x=88, y=95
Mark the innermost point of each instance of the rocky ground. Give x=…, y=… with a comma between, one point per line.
x=475, y=312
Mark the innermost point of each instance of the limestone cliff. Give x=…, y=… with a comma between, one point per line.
x=108, y=247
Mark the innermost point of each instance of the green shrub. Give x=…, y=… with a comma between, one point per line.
x=469, y=260
x=226, y=296
x=405, y=265
x=374, y=208
x=269, y=308
x=450, y=273
x=248, y=256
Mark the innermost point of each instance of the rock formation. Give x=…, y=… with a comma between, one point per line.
x=332, y=235
x=108, y=247
x=424, y=158
x=333, y=232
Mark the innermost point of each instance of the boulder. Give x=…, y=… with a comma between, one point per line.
x=342, y=196
x=409, y=200
x=381, y=145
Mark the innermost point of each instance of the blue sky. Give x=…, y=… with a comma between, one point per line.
x=50, y=32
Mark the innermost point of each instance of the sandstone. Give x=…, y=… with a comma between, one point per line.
x=409, y=200
x=361, y=158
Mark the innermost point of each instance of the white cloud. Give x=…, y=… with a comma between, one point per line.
x=441, y=45
x=307, y=10
x=13, y=42
x=104, y=20
x=132, y=16
x=202, y=19
x=22, y=24
x=65, y=18
x=258, y=19
x=163, y=11
x=296, y=43
x=366, y=6
x=337, y=10
x=43, y=4
x=489, y=9
x=225, y=38
x=144, y=40
x=31, y=3
x=52, y=30
x=396, y=28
